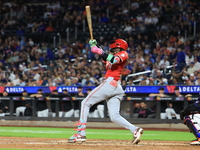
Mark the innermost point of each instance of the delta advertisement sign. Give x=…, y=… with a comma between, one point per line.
x=128, y=89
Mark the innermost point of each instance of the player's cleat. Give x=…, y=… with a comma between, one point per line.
x=76, y=138
x=137, y=134
x=195, y=142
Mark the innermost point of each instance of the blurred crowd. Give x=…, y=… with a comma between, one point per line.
x=158, y=33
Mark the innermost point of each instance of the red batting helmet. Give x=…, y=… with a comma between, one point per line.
x=120, y=43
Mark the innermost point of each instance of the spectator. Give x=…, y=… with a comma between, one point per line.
x=93, y=113
x=104, y=18
x=170, y=112
x=137, y=107
x=21, y=82
x=76, y=104
x=144, y=111
x=41, y=27
x=67, y=106
x=191, y=68
x=51, y=67
x=160, y=80
x=184, y=76
x=197, y=81
x=42, y=109
x=25, y=104
x=174, y=108
x=130, y=82
x=35, y=74
x=49, y=28
x=23, y=42
x=161, y=91
x=189, y=82
x=54, y=93
x=88, y=81
x=178, y=94
x=44, y=81
x=74, y=82
x=189, y=57
x=192, y=78
x=166, y=35
x=28, y=111
x=5, y=102
x=180, y=59
x=3, y=108
x=163, y=64
x=134, y=5
x=128, y=28
x=47, y=14
x=101, y=108
x=145, y=80
x=196, y=64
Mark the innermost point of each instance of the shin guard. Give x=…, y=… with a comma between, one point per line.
x=193, y=126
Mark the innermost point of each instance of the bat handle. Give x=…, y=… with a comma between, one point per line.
x=91, y=35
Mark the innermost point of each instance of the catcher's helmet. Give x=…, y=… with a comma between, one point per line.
x=120, y=43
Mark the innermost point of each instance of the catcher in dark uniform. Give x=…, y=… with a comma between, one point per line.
x=191, y=117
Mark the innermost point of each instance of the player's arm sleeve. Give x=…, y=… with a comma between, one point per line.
x=111, y=58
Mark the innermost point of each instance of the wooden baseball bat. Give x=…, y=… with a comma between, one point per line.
x=89, y=20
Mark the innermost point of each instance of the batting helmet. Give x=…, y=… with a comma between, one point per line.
x=119, y=43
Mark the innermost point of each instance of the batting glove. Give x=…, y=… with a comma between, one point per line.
x=92, y=43
x=94, y=48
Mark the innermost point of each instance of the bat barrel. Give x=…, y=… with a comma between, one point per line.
x=89, y=20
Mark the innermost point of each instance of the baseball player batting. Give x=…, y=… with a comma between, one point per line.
x=191, y=117
x=110, y=90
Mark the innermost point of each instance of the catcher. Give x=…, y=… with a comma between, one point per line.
x=110, y=90
x=191, y=117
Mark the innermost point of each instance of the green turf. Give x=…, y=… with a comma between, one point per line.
x=42, y=132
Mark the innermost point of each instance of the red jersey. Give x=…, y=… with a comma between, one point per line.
x=116, y=69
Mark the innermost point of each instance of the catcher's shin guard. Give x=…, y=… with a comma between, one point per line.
x=193, y=126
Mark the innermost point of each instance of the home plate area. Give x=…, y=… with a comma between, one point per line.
x=93, y=144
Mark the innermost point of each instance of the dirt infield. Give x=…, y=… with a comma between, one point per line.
x=91, y=144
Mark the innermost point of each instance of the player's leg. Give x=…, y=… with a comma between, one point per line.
x=39, y=114
x=19, y=110
x=95, y=114
x=43, y=113
x=76, y=113
x=193, y=123
x=90, y=114
x=170, y=112
x=69, y=113
x=197, y=118
x=96, y=95
x=114, y=108
x=60, y=114
x=46, y=112
x=53, y=114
